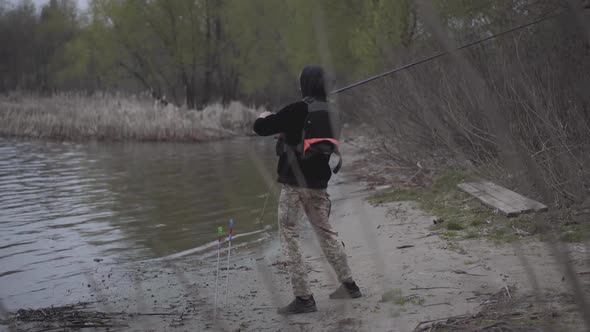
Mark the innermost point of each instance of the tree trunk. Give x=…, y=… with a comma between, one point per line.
x=191, y=95
x=208, y=56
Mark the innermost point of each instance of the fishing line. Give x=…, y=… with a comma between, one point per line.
x=260, y=219
x=231, y=230
x=219, y=242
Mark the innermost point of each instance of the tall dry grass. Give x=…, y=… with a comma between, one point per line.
x=74, y=116
x=511, y=109
x=516, y=110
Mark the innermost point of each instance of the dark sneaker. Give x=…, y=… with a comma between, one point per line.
x=348, y=290
x=299, y=306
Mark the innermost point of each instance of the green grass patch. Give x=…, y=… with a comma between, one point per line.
x=503, y=235
x=465, y=217
x=397, y=195
x=575, y=233
x=454, y=226
x=395, y=296
x=456, y=247
x=449, y=235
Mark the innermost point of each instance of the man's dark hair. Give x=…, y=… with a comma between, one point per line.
x=312, y=82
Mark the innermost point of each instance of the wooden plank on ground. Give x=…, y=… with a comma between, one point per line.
x=504, y=200
x=488, y=199
x=517, y=199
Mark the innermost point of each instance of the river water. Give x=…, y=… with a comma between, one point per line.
x=65, y=206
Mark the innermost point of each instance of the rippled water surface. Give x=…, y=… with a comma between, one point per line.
x=62, y=205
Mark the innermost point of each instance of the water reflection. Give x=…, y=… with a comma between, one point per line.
x=62, y=205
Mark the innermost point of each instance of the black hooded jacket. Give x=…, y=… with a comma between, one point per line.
x=313, y=172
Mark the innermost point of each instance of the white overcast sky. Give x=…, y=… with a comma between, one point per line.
x=82, y=4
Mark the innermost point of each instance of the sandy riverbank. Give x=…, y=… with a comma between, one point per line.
x=408, y=274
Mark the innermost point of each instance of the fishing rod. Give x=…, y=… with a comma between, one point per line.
x=440, y=54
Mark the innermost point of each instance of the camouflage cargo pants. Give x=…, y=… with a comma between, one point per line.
x=316, y=204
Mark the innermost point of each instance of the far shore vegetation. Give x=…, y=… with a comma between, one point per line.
x=111, y=117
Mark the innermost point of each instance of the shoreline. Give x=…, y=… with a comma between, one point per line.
x=409, y=275
x=122, y=141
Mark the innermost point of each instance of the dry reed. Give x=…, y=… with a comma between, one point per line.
x=523, y=97
x=74, y=116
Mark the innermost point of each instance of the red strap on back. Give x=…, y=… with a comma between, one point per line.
x=308, y=142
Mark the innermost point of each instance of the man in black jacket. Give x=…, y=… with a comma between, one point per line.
x=304, y=182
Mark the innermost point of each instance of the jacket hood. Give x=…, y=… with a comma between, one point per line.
x=312, y=82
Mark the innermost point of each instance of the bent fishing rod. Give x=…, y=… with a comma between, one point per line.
x=440, y=54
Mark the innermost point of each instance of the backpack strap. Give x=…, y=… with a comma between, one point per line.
x=309, y=101
x=312, y=106
x=339, y=166
x=318, y=106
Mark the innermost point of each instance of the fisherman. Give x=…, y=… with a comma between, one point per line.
x=307, y=139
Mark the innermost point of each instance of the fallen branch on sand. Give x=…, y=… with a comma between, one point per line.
x=428, y=235
x=146, y=313
x=425, y=288
x=469, y=274
x=82, y=326
x=435, y=304
x=76, y=316
x=419, y=329
x=505, y=311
